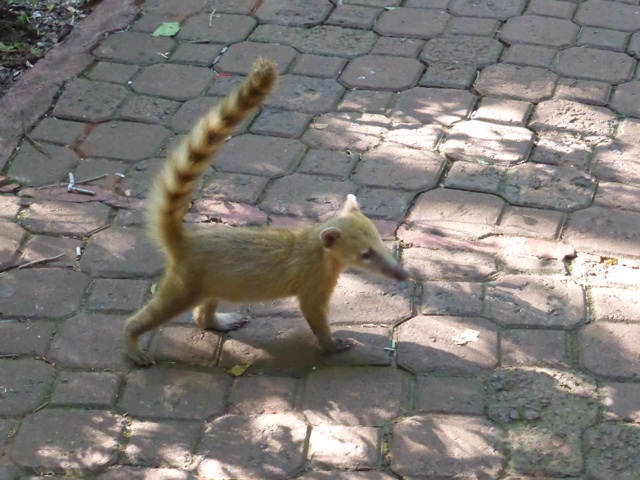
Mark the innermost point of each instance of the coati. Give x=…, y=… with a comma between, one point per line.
x=213, y=262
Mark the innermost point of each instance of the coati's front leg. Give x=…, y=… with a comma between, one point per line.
x=170, y=300
x=207, y=318
x=315, y=306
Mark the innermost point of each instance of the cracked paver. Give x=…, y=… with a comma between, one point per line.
x=494, y=142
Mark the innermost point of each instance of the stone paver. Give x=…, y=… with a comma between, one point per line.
x=494, y=145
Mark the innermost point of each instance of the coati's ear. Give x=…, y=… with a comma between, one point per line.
x=351, y=204
x=330, y=236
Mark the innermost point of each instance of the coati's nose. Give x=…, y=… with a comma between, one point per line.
x=397, y=272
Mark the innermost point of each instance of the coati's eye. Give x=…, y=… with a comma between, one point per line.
x=367, y=254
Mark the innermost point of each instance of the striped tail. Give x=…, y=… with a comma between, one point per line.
x=170, y=194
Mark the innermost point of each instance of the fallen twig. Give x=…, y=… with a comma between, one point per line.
x=33, y=143
x=39, y=261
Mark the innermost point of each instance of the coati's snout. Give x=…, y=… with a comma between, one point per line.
x=354, y=240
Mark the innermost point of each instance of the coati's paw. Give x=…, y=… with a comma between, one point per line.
x=342, y=344
x=142, y=359
x=224, y=322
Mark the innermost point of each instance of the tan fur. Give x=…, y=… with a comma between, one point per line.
x=210, y=263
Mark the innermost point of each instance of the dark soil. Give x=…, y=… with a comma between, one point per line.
x=28, y=28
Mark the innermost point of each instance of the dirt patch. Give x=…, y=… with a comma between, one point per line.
x=29, y=28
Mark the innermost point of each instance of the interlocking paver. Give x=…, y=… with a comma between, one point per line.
x=85, y=389
x=327, y=162
x=177, y=82
x=486, y=142
x=478, y=51
x=24, y=385
x=333, y=40
x=621, y=401
x=26, y=337
x=607, y=446
x=587, y=91
x=134, y=48
x=110, y=252
x=195, y=54
x=412, y=22
x=89, y=101
x=10, y=239
x=603, y=38
x=147, y=109
x=270, y=436
x=551, y=8
x=447, y=75
x=475, y=177
x=400, y=47
x=603, y=230
x=318, y=66
x=546, y=31
x=59, y=439
x=598, y=13
x=615, y=304
x=595, y=64
x=346, y=131
x=293, y=12
x=220, y=28
x=545, y=425
x=530, y=84
x=457, y=213
x=531, y=222
x=427, y=344
x=446, y=446
x=343, y=447
x=137, y=473
x=28, y=293
x=526, y=301
x=66, y=218
x=354, y=16
x=533, y=347
x=36, y=169
x=473, y=26
x=626, y=99
x=275, y=156
x=450, y=395
x=353, y=396
x=56, y=130
x=572, y=117
x=394, y=166
x=239, y=57
x=175, y=393
x=415, y=136
x=448, y=264
x=158, y=443
x=306, y=94
x=530, y=55
x=379, y=72
x=610, y=350
x=452, y=298
x=126, y=141
x=432, y=105
x=258, y=395
x=501, y=9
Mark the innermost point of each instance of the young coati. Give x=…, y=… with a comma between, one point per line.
x=212, y=262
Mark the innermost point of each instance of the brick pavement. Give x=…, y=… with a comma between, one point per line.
x=494, y=142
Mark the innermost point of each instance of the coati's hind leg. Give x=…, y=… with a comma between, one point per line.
x=170, y=300
x=206, y=317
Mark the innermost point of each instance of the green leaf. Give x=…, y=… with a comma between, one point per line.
x=239, y=369
x=167, y=29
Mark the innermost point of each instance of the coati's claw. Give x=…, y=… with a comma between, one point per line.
x=342, y=344
x=142, y=359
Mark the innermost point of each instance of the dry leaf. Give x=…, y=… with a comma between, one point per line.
x=467, y=336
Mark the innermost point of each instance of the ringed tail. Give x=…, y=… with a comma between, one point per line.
x=170, y=194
